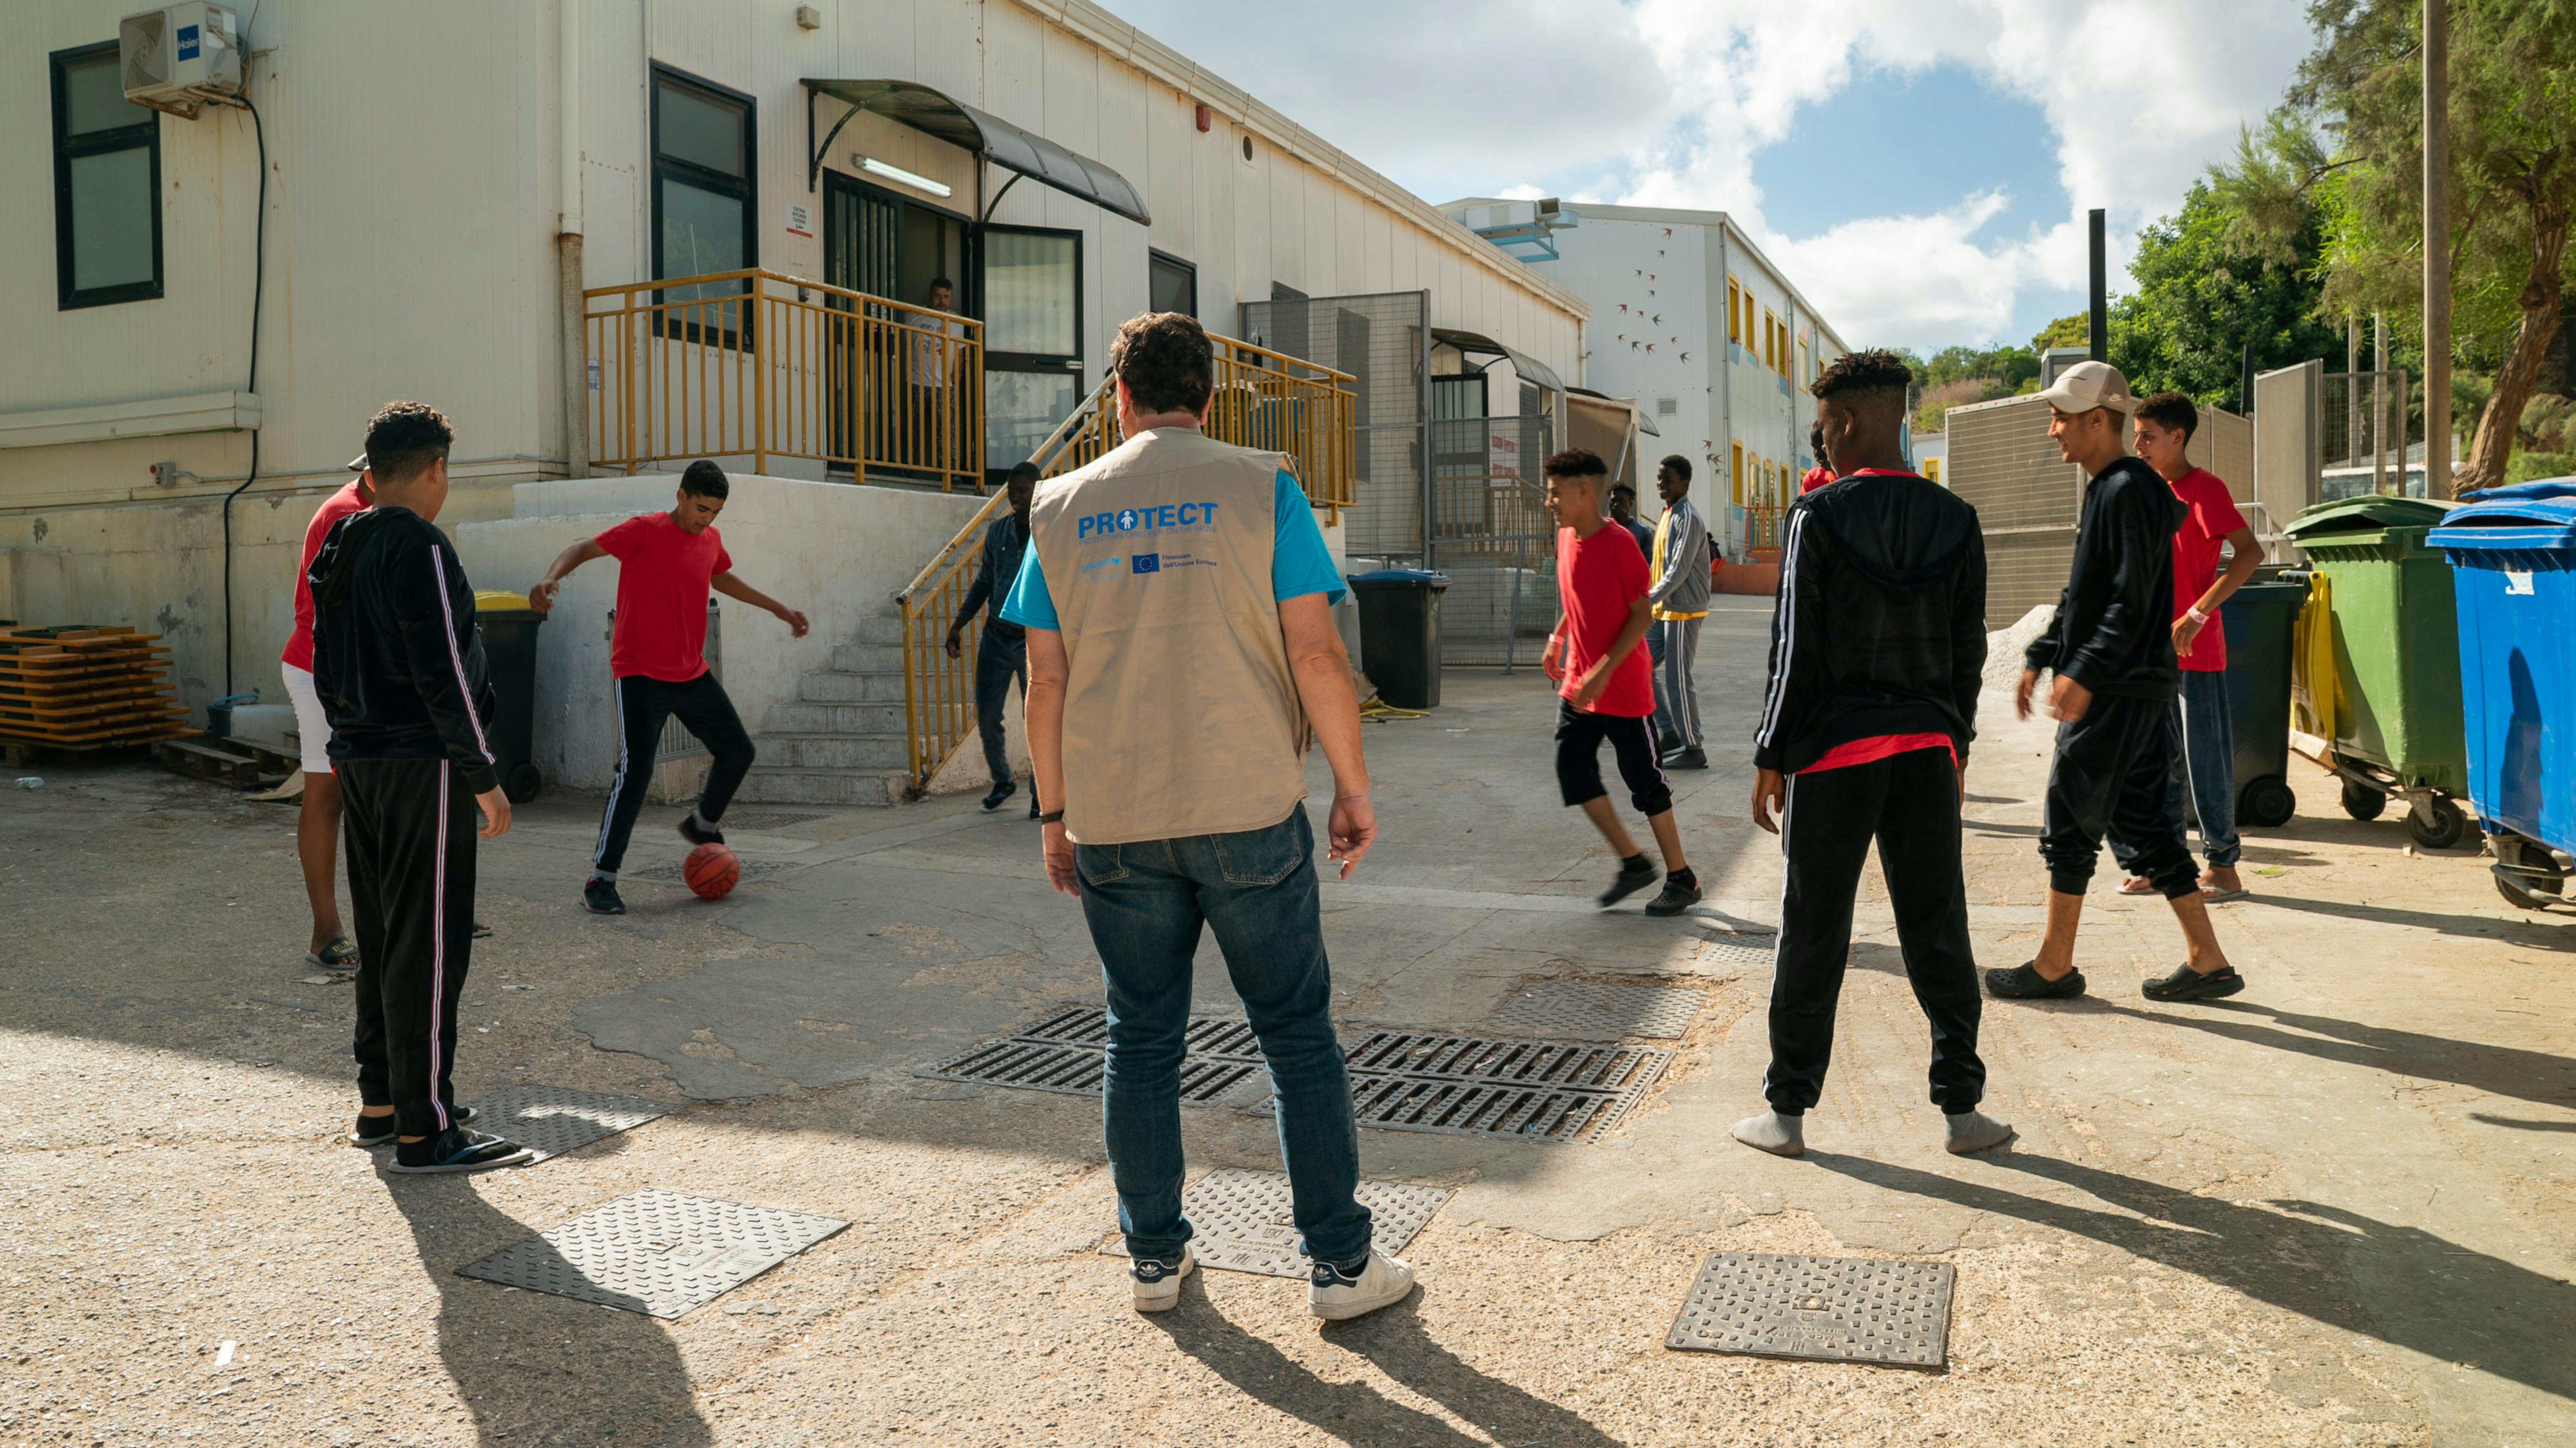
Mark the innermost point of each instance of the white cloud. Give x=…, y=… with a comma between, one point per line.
x=1667, y=102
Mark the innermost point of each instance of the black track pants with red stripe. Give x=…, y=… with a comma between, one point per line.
x=409, y=826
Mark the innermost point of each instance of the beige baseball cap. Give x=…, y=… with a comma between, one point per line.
x=2088, y=385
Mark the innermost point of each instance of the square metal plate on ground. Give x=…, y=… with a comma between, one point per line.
x=1066, y=1052
x=1244, y=1221
x=1832, y=1309
x=655, y=1252
x=1742, y=949
x=552, y=1120
x=669, y=874
x=754, y=820
x=1587, y=1010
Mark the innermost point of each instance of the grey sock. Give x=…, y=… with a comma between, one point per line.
x=599, y=874
x=1975, y=1131
x=1772, y=1132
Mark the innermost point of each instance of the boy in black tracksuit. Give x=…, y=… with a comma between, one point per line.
x=399, y=669
x=1878, y=638
x=2110, y=646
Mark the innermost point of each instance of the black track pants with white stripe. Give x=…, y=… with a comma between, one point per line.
x=642, y=706
x=409, y=827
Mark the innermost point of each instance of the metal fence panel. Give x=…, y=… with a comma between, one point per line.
x=1383, y=340
x=1492, y=535
x=2000, y=459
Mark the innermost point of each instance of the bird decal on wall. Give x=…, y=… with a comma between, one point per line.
x=1659, y=318
x=1686, y=356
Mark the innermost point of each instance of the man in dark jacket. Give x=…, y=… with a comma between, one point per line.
x=1877, y=643
x=2111, y=649
x=1003, y=652
x=399, y=669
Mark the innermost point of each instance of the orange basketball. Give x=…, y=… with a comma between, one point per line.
x=712, y=871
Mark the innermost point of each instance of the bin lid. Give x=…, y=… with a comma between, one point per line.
x=2365, y=513
x=2524, y=518
x=487, y=599
x=1398, y=578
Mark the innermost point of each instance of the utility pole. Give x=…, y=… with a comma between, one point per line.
x=2101, y=309
x=2437, y=252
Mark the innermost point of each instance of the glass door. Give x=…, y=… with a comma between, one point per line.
x=888, y=245
x=1032, y=310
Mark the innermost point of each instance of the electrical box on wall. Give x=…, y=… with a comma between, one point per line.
x=180, y=57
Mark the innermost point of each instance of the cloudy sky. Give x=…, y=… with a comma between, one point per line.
x=1920, y=167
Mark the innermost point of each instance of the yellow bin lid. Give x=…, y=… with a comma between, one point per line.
x=491, y=598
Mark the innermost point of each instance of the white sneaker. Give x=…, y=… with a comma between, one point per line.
x=1158, y=1284
x=1335, y=1298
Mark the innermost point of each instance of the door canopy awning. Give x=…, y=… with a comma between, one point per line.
x=959, y=124
x=1474, y=344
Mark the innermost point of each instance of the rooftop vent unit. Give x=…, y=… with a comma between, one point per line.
x=180, y=57
x=1524, y=229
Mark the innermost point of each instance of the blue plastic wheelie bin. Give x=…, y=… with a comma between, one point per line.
x=2513, y=561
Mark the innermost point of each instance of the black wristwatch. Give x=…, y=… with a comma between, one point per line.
x=1052, y=816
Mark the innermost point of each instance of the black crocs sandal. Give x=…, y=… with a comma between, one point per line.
x=340, y=954
x=2024, y=983
x=1628, y=882
x=2186, y=984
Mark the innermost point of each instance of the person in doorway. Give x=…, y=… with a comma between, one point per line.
x=1002, y=654
x=1823, y=472
x=2210, y=520
x=1603, y=686
x=667, y=563
x=1677, y=589
x=1182, y=655
x=1623, y=511
x=934, y=424
x=399, y=670
x=317, y=820
x=1878, y=641
x=2111, y=647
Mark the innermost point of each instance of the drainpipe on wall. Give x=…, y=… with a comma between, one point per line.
x=576, y=339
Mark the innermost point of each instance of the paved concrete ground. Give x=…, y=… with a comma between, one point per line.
x=2333, y=1210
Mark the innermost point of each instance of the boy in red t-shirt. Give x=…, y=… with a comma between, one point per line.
x=2207, y=759
x=317, y=820
x=1606, y=689
x=667, y=563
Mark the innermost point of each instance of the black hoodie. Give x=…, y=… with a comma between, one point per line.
x=1880, y=623
x=2113, y=629
x=396, y=658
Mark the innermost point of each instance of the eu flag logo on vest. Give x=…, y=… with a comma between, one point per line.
x=1147, y=563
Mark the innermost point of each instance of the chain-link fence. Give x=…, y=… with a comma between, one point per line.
x=2362, y=434
x=1383, y=340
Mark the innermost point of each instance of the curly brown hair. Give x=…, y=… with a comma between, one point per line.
x=1166, y=361
x=405, y=437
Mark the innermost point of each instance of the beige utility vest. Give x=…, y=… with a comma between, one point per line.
x=1180, y=714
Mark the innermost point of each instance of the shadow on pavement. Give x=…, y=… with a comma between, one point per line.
x=2461, y=1306
x=2522, y=1125
x=2497, y=1070
x=531, y=1366
x=2484, y=927
x=1394, y=1340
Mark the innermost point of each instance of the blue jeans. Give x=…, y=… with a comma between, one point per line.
x=2206, y=763
x=1145, y=902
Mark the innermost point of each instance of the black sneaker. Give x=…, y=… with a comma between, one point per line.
x=993, y=802
x=1679, y=895
x=1690, y=758
x=378, y=1130
x=457, y=1149
x=1630, y=880
x=698, y=834
x=599, y=897
x=1034, y=811
x=1667, y=744
x=2024, y=983
x=2186, y=984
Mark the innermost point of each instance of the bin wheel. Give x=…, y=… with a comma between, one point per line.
x=2446, y=828
x=2527, y=875
x=2267, y=803
x=523, y=783
x=2362, y=802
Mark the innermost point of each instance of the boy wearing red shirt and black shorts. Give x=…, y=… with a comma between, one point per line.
x=667, y=562
x=1605, y=687
x=1878, y=642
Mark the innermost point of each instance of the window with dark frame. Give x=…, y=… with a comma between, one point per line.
x=107, y=184
x=703, y=195
x=1171, y=284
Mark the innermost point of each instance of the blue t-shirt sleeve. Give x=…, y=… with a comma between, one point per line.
x=1030, y=605
x=1299, y=562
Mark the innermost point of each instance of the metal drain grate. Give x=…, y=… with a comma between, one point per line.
x=763, y=819
x=552, y=1120
x=1471, y=1086
x=1838, y=1309
x=1741, y=949
x=1066, y=1053
x=655, y=1252
x=1245, y=1222
x=1585, y=1010
x=670, y=873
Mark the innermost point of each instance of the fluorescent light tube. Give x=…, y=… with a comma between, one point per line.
x=892, y=172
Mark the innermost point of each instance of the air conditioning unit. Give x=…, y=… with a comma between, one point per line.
x=180, y=57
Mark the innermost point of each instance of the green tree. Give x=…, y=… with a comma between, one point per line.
x=2074, y=331
x=2205, y=294
x=2347, y=150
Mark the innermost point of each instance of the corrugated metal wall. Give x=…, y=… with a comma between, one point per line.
x=2000, y=458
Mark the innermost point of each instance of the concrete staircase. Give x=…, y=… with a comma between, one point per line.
x=841, y=741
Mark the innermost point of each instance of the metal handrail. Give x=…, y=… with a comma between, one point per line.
x=755, y=363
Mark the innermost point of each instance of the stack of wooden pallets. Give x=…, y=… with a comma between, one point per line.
x=80, y=687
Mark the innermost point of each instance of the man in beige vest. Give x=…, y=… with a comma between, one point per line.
x=1181, y=655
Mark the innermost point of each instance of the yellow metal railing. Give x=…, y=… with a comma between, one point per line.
x=1262, y=399
x=1762, y=525
x=759, y=365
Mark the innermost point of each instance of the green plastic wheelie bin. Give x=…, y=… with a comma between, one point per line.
x=2397, y=660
